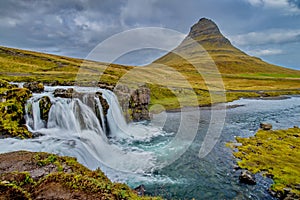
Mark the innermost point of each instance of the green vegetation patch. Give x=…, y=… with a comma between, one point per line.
x=275, y=154
x=271, y=75
x=44, y=174
x=12, y=110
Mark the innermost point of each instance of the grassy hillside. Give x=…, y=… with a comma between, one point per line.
x=198, y=72
x=21, y=65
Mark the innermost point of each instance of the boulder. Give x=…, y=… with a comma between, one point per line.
x=265, y=126
x=247, y=177
x=64, y=93
x=35, y=87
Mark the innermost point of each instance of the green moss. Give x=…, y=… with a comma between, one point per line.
x=274, y=153
x=46, y=161
x=12, y=110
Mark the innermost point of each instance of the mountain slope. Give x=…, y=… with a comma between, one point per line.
x=227, y=58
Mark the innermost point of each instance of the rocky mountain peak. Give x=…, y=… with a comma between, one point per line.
x=205, y=30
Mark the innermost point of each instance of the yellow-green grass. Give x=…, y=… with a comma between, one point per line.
x=171, y=71
x=274, y=153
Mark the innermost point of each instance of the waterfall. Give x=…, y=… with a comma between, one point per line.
x=101, y=115
x=78, y=127
x=115, y=118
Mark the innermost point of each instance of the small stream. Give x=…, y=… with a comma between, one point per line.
x=137, y=153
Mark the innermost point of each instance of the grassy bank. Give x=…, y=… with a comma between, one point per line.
x=275, y=154
x=29, y=175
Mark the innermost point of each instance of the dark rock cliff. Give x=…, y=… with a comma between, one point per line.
x=134, y=102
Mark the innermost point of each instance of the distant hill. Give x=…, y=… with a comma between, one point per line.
x=228, y=59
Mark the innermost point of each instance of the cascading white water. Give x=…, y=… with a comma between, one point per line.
x=36, y=120
x=73, y=128
x=116, y=121
x=102, y=118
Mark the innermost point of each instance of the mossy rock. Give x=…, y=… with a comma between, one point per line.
x=45, y=105
x=35, y=87
x=12, y=110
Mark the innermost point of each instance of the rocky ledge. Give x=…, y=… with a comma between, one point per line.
x=35, y=87
x=134, y=102
x=71, y=93
x=28, y=175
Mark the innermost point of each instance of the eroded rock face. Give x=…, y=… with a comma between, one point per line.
x=247, y=177
x=71, y=93
x=103, y=102
x=35, y=87
x=45, y=105
x=206, y=31
x=139, y=101
x=65, y=93
x=134, y=102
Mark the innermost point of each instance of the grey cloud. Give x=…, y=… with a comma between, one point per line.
x=267, y=37
x=295, y=3
x=75, y=27
x=265, y=52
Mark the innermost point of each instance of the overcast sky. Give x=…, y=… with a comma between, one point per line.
x=269, y=29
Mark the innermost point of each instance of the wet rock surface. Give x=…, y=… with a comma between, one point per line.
x=35, y=87
x=103, y=102
x=45, y=105
x=134, y=102
x=140, y=190
x=12, y=111
x=247, y=177
x=89, y=98
x=65, y=93
x=265, y=126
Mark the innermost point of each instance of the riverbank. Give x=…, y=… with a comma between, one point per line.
x=30, y=175
x=274, y=154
